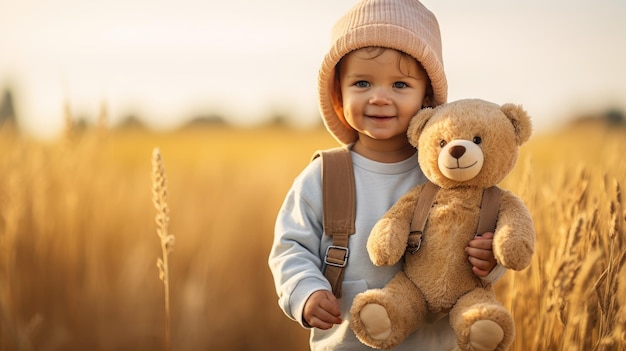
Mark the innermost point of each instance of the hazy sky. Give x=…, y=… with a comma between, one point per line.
x=166, y=61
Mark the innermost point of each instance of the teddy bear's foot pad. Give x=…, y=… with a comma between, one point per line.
x=376, y=321
x=485, y=335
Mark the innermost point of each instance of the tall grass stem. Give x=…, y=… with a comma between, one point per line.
x=159, y=197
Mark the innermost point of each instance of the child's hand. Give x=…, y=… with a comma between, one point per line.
x=321, y=310
x=481, y=254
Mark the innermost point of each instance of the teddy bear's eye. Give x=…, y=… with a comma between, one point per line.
x=443, y=143
x=477, y=140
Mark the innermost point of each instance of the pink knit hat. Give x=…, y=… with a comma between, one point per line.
x=404, y=25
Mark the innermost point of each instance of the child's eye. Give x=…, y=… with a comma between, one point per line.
x=362, y=84
x=400, y=85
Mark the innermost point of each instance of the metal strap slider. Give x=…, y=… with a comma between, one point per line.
x=337, y=261
x=415, y=242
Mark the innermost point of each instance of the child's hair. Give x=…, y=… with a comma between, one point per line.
x=403, y=25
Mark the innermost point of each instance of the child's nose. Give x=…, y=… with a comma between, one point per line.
x=380, y=96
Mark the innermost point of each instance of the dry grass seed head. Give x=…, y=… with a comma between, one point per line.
x=582, y=311
x=159, y=198
x=616, y=212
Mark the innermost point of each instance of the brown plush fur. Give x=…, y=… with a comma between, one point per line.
x=438, y=278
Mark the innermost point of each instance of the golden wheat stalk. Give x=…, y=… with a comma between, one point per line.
x=159, y=197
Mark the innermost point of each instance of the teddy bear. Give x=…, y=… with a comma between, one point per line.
x=464, y=147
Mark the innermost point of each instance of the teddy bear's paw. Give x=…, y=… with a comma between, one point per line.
x=376, y=321
x=386, y=245
x=485, y=335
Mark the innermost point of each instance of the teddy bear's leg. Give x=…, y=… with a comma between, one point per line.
x=383, y=318
x=481, y=323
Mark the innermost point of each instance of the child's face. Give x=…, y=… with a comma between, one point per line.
x=381, y=91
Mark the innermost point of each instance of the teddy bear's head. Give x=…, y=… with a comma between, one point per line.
x=469, y=142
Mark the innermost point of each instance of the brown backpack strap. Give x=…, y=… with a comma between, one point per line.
x=425, y=201
x=489, y=208
x=339, y=202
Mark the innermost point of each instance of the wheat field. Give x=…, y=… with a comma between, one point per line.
x=79, y=243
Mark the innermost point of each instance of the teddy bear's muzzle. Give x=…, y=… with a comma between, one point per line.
x=460, y=160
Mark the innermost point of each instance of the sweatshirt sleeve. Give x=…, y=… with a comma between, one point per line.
x=294, y=259
x=496, y=273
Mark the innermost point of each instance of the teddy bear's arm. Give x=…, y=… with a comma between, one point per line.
x=387, y=241
x=514, y=240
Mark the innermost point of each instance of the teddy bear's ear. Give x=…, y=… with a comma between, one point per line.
x=520, y=120
x=417, y=124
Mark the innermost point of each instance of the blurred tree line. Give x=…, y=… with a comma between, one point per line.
x=9, y=118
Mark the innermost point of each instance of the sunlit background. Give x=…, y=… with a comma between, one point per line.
x=167, y=62
x=78, y=238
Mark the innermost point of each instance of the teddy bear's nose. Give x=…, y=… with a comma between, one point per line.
x=457, y=151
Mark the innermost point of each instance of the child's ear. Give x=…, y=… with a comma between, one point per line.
x=428, y=100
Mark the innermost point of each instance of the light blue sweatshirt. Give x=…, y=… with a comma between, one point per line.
x=297, y=255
